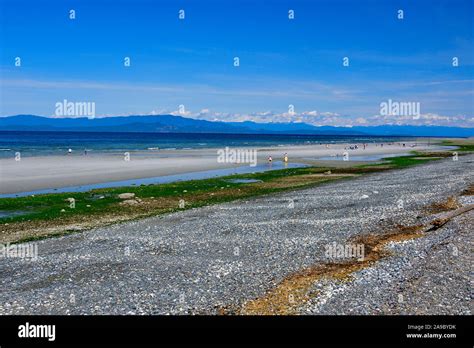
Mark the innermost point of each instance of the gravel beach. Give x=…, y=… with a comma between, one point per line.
x=202, y=260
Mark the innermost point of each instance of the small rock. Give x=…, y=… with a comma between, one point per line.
x=130, y=202
x=127, y=195
x=75, y=228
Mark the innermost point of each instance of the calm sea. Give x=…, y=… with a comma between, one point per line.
x=58, y=143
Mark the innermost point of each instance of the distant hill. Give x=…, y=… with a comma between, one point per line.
x=178, y=124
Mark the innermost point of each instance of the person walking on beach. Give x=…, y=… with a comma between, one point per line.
x=69, y=151
x=270, y=159
x=285, y=158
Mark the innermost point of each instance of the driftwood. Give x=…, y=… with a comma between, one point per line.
x=445, y=217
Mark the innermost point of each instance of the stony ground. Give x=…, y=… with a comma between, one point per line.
x=429, y=275
x=201, y=260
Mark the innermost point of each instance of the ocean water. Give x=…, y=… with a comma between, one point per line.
x=58, y=143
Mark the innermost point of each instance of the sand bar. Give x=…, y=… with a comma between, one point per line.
x=49, y=172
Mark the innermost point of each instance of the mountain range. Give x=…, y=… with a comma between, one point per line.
x=179, y=124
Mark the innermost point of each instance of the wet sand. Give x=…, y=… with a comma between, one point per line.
x=216, y=259
x=49, y=172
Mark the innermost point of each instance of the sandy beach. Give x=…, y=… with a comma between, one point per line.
x=225, y=258
x=50, y=172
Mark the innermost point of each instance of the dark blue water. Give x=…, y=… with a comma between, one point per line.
x=58, y=143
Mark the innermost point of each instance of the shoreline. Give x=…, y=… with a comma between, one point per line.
x=56, y=172
x=182, y=242
x=52, y=215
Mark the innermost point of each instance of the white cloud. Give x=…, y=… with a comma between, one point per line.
x=316, y=118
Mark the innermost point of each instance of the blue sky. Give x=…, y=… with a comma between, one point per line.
x=190, y=62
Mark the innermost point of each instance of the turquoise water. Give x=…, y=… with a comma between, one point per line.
x=378, y=157
x=58, y=143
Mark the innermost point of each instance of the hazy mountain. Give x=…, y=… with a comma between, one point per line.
x=178, y=124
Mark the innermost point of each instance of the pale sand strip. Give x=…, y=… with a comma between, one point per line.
x=36, y=173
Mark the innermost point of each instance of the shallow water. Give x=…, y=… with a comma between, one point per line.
x=30, y=143
x=243, y=181
x=361, y=158
x=163, y=179
x=11, y=213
